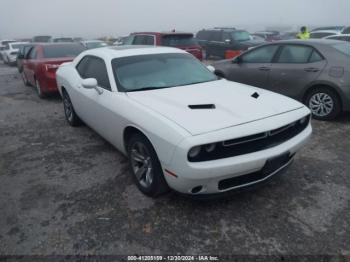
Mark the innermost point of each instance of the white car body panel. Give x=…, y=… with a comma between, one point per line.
x=173, y=129
x=234, y=105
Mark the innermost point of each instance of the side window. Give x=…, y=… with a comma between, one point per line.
x=206, y=35
x=128, y=40
x=216, y=36
x=260, y=55
x=82, y=66
x=32, y=54
x=201, y=35
x=315, y=57
x=143, y=40
x=295, y=54
x=94, y=67
x=149, y=40
x=346, y=30
x=26, y=50
x=138, y=40
x=226, y=36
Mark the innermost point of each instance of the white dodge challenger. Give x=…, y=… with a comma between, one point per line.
x=180, y=126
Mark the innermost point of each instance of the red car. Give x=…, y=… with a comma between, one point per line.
x=41, y=63
x=184, y=41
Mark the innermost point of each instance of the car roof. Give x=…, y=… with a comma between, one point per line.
x=163, y=33
x=267, y=32
x=131, y=50
x=308, y=42
x=91, y=41
x=56, y=44
x=338, y=35
x=19, y=43
x=223, y=29
x=325, y=31
x=336, y=27
x=7, y=40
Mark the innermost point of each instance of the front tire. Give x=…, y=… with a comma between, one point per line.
x=324, y=103
x=69, y=112
x=145, y=166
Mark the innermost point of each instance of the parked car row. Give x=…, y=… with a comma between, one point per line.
x=38, y=64
x=332, y=32
x=195, y=129
x=182, y=40
x=315, y=72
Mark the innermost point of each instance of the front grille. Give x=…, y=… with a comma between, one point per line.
x=270, y=167
x=253, y=143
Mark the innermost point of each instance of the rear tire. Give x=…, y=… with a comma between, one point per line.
x=324, y=103
x=145, y=166
x=69, y=112
x=24, y=78
x=39, y=90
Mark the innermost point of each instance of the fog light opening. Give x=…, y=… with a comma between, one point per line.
x=196, y=189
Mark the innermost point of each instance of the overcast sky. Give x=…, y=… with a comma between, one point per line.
x=93, y=18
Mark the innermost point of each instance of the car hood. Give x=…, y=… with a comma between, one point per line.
x=234, y=105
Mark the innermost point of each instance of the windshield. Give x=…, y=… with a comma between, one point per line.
x=63, y=39
x=178, y=40
x=91, y=45
x=16, y=46
x=158, y=71
x=42, y=39
x=240, y=36
x=58, y=51
x=343, y=48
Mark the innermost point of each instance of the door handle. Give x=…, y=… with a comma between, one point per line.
x=264, y=68
x=311, y=69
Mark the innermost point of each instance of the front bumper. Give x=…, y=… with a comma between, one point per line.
x=345, y=97
x=209, y=176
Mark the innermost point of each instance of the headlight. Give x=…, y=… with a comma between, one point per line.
x=209, y=148
x=202, y=151
x=304, y=120
x=194, y=152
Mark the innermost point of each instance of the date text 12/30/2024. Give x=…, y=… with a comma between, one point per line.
x=173, y=258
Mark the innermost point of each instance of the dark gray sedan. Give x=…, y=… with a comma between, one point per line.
x=316, y=72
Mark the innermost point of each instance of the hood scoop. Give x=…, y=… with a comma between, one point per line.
x=203, y=106
x=255, y=95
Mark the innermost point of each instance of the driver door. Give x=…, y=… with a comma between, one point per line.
x=253, y=67
x=94, y=107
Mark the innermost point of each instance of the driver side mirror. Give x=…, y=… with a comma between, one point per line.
x=20, y=56
x=237, y=60
x=91, y=83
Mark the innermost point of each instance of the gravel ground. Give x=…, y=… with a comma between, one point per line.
x=65, y=190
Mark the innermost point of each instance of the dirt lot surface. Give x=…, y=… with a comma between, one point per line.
x=65, y=190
